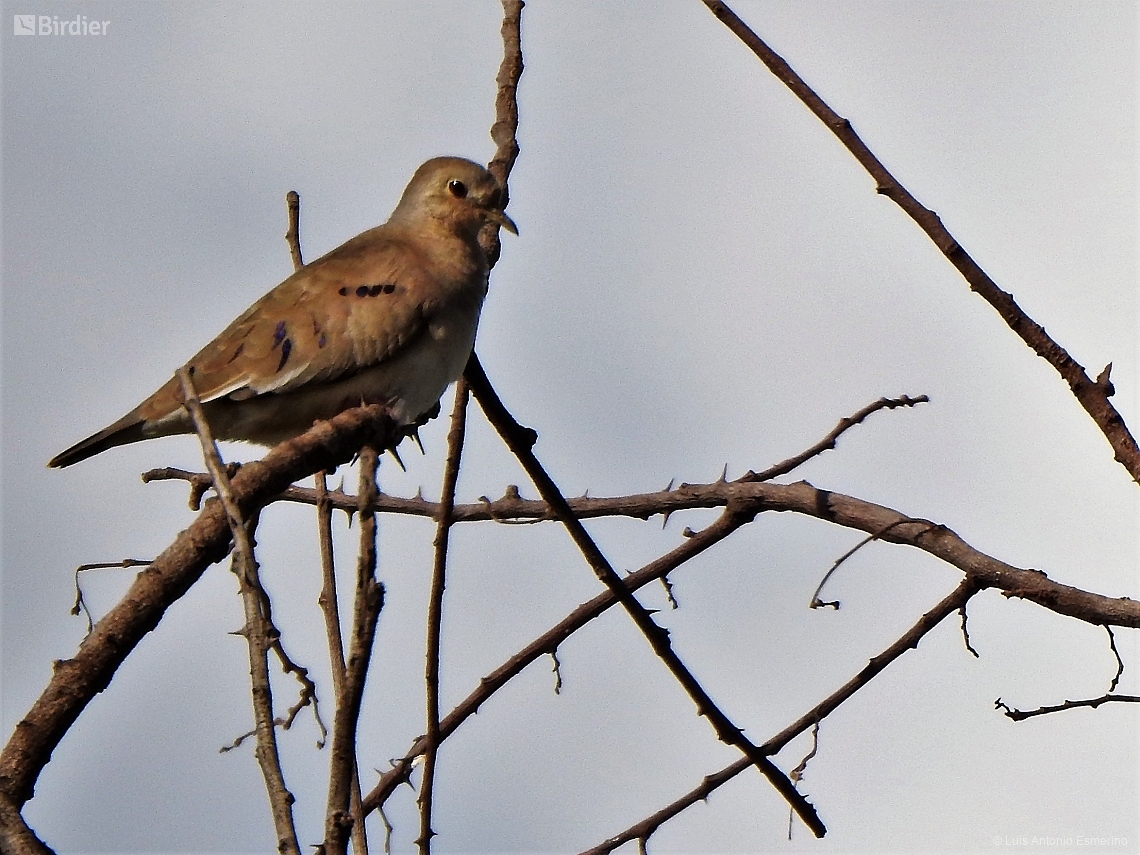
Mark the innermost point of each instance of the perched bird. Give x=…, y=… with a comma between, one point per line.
x=388, y=317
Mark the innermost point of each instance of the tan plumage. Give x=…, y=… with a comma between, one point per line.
x=388, y=317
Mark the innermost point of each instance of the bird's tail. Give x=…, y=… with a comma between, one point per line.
x=126, y=430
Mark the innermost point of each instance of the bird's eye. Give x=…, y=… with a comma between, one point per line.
x=458, y=189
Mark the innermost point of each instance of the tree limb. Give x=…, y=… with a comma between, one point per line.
x=76, y=681
x=1092, y=394
x=520, y=440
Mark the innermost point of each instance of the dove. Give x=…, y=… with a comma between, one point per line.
x=388, y=317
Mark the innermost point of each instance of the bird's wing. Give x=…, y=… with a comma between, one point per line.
x=351, y=309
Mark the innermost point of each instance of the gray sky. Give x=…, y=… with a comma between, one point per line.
x=704, y=277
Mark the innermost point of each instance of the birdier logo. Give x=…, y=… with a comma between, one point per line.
x=51, y=25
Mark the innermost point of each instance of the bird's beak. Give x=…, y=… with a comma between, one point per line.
x=500, y=218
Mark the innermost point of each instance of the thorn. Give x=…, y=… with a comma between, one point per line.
x=396, y=454
x=723, y=475
x=665, y=520
x=688, y=532
x=420, y=492
x=669, y=486
x=1105, y=383
x=415, y=434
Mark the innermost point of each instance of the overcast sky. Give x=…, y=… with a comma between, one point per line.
x=704, y=276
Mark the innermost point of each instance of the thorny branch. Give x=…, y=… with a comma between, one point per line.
x=1092, y=394
x=907, y=641
x=504, y=132
x=1109, y=697
x=257, y=625
x=520, y=440
x=435, y=608
x=1021, y=715
x=803, y=498
x=328, y=600
x=77, y=680
x=369, y=600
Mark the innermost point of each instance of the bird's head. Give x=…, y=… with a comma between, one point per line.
x=458, y=193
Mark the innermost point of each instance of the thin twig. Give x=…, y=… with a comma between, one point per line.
x=80, y=603
x=76, y=681
x=907, y=641
x=256, y=629
x=547, y=644
x=1021, y=715
x=327, y=600
x=504, y=132
x=1092, y=394
x=520, y=441
x=1119, y=662
x=369, y=601
x=455, y=438
x=828, y=442
x=797, y=774
x=816, y=602
x=293, y=234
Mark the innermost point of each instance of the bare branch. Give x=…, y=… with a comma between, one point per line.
x=828, y=442
x=16, y=838
x=802, y=498
x=816, y=602
x=504, y=132
x=520, y=440
x=1119, y=662
x=547, y=644
x=293, y=234
x=81, y=604
x=907, y=641
x=257, y=625
x=366, y=612
x=1092, y=394
x=797, y=774
x=455, y=438
x=76, y=681
x=1020, y=715
x=966, y=633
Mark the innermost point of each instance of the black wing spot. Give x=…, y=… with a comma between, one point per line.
x=279, y=333
x=376, y=289
x=286, y=349
x=342, y=291
x=322, y=341
x=236, y=354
